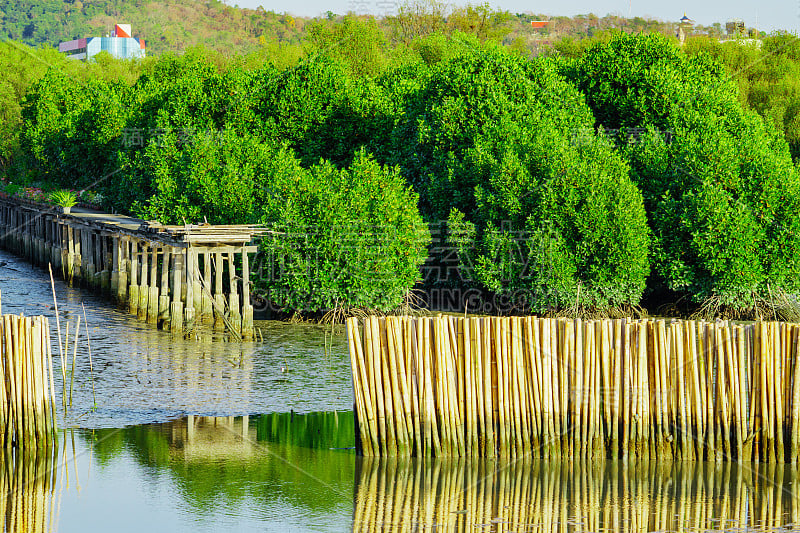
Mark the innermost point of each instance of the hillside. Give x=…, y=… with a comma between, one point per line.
x=166, y=25
x=174, y=25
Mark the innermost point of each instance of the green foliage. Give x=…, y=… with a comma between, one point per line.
x=768, y=79
x=320, y=133
x=721, y=196
x=543, y=220
x=341, y=238
x=359, y=44
x=64, y=198
x=323, y=112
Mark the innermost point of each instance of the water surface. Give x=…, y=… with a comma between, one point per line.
x=298, y=472
x=141, y=374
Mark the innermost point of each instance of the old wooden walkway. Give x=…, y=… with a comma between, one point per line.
x=174, y=276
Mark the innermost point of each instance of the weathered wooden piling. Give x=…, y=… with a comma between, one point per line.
x=627, y=389
x=153, y=271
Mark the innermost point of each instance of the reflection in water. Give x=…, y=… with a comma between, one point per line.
x=464, y=495
x=292, y=468
x=268, y=465
x=28, y=489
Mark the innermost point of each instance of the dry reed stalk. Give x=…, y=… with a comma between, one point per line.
x=372, y=351
x=586, y=375
x=733, y=377
x=442, y=382
x=519, y=386
x=479, y=392
x=74, y=357
x=741, y=357
x=431, y=393
x=488, y=387
x=359, y=389
x=722, y=405
x=411, y=343
x=604, y=344
x=629, y=390
x=470, y=398
x=563, y=384
x=764, y=440
x=547, y=388
x=502, y=400
x=456, y=419
x=577, y=390
x=795, y=446
x=597, y=440
x=365, y=366
x=777, y=387
x=617, y=394
x=425, y=386
x=508, y=405
x=389, y=337
x=403, y=357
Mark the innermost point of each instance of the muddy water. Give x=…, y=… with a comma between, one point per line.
x=140, y=374
x=160, y=445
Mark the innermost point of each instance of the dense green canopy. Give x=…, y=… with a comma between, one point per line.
x=634, y=167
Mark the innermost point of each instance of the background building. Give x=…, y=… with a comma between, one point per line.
x=121, y=45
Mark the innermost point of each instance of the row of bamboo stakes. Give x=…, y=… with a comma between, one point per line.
x=27, y=399
x=451, y=386
x=524, y=495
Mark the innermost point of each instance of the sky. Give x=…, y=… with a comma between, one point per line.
x=767, y=15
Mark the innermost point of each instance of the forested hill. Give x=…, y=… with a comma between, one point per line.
x=164, y=24
x=175, y=25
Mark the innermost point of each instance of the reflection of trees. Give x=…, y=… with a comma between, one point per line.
x=461, y=494
x=27, y=485
x=228, y=460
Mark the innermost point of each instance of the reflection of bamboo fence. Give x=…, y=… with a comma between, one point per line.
x=27, y=485
x=512, y=387
x=27, y=406
x=462, y=494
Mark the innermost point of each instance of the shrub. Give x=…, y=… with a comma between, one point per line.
x=720, y=190
x=545, y=214
x=341, y=238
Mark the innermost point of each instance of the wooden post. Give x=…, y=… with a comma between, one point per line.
x=97, y=260
x=114, y=286
x=219, y=297
x=163, y=299
x=207, y=309
x=191, y=275
x=133, y=290
x=87, y=259
x=123, y=281
x=66, y=254
x=108, y=264
x=144, y=285
x=176, y=313
x=233, y=296
x=197, y=289
x=247, y=309
x=152, y=296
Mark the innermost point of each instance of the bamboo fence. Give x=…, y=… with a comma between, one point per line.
x=531, y=495
x=27, y=404
x=514, y=387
